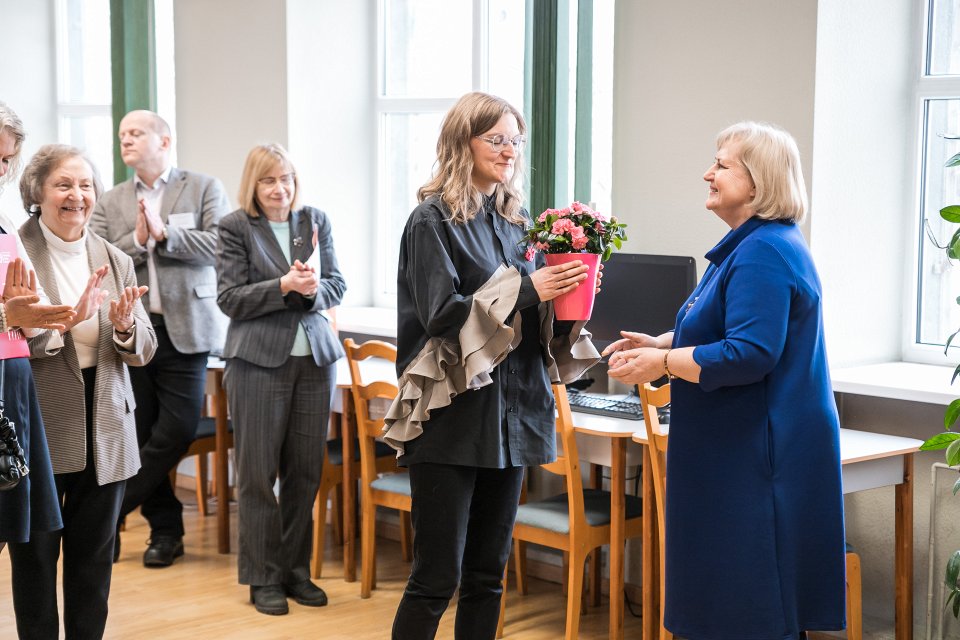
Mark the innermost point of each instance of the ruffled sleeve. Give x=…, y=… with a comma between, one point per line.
x=567, y=356
x=445, y=368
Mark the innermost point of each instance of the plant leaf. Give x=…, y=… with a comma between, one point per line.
x=940, y=441
x=950, y=339
x=951, y=414
x=956, y=607
x=956, y=486
x=956, y=372
x=951, y=213
x=953, y=161
x=953, y=453
x=953, y=571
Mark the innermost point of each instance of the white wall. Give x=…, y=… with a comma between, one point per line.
x=28, y=81
x=863, y=174
x=684, y=71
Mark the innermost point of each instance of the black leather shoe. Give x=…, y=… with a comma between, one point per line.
x=306, y=593
x=163, y=550
x=269, y=599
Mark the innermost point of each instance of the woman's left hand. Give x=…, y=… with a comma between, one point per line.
x=19, y=281
x=121, y=309
x=636, y=366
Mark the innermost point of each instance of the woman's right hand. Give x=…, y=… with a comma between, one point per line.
x=301, y=279
x=26, y=312
x=91, y=298
x=631, y=340
x=551, y=282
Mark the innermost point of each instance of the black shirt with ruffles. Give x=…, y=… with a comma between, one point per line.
x=509, y=422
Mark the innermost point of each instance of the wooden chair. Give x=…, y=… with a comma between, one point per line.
x=652, y=399
x=576, y=521
x=377, y=488
x=204, y=444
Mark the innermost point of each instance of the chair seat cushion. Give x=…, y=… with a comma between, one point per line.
x=207, y=427
x=393, y=483
x=552, y=513
x=335, y=450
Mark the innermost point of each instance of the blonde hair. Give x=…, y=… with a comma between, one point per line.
x=473, y=114
x=771, y=157
x=44, y=162
x=260, y=161
x=10, y=123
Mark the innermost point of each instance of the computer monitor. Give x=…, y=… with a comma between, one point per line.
x=640, y=293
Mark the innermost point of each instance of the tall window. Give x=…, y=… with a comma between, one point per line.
x=938, y=278
x=430, y=53
x=84, y=80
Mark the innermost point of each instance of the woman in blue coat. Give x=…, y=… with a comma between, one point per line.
x=754, y=510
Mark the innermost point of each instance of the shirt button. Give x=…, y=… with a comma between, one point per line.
x=513, y=371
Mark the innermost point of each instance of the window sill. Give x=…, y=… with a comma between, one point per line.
x=899, y=381
x=371, y=321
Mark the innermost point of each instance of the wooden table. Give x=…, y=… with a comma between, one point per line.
x=869, y=461
x=215, y=390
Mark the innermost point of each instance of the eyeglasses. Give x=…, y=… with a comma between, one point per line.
x=499, y=141
x=286, y=180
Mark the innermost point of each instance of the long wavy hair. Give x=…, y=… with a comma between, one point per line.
x=472, y=115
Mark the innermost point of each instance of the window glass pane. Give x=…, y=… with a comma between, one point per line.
x=85, y=59
x=506, y=29
x=409, y=148
x=427, y=48
x=93, y=134
x=939, y=315
x=601, y=174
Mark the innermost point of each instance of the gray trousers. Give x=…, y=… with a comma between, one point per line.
x=280, y=418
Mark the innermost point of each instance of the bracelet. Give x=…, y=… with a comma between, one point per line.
x=666, y=369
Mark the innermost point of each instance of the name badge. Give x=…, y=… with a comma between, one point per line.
x=183, y=220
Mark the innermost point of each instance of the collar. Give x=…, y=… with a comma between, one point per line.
x=73, y=248
x=733, y=239
x=164, y=178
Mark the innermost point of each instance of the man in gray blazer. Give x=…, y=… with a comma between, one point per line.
x=166, y=219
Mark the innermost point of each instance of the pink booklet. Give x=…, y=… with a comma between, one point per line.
x=13, y=344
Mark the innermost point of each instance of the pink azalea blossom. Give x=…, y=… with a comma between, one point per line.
x=530, y=253
x=576, y=206
x=543, y=216
x=563, y=213
x=541, y=246
x=579, y=243
x=562, y=226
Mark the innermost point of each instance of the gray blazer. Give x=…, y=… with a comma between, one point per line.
x=185, y=261
x=263, y=322
x=116, y=453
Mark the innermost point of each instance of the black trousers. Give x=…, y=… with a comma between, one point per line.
x=463, y=522
x=89, y=526
x=169, y=395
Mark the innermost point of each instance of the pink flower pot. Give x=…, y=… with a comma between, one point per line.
x=576, y=304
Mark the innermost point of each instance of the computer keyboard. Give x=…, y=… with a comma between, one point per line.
x=627, y=407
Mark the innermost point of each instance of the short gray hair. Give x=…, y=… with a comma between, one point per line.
x=10, y=123
x=42, y=164
x=771, y=157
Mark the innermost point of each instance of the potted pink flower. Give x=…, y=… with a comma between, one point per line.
x=575, y=233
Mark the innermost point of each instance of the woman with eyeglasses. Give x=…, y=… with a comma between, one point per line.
x=466, y=430
x=277, y=272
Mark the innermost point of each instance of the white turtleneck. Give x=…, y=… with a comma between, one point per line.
x=71, y=267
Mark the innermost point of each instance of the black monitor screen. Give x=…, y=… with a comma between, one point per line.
x=640, y=293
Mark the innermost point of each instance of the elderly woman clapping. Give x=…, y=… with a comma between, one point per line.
x=85, y=395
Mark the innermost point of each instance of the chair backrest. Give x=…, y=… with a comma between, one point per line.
x=652, y=399
x=368, y=427
x=567, y=463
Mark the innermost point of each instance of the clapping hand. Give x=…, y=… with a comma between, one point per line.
x=91, y=298
x=121, y=309
x=26, y=312
x=301, y=278
x=19, y=281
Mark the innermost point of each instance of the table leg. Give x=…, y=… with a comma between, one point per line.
x=649, y=555
x=349, y=492
x=903, y=561
x=618, y=466
x=221, y=471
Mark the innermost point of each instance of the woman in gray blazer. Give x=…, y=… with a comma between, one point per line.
x=85, y=396
x=277, y=272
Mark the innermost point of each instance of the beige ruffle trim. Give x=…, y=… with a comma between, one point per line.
x=445, y=368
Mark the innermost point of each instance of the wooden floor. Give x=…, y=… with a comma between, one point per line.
x=199, y=597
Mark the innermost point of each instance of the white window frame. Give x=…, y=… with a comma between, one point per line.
x=384, y=294
x=927, y=88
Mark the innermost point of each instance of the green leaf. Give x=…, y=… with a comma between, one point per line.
x=956, y=607
x=956, y=372
x=953, y=571
x=951, y=213
x=956, y=486
x=953, y=453
x=951, y=414
x=950, y=339
x=940, y=441
x=950, y=597
x=953, y=162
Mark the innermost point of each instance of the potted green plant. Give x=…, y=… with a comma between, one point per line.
x=949, y=439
